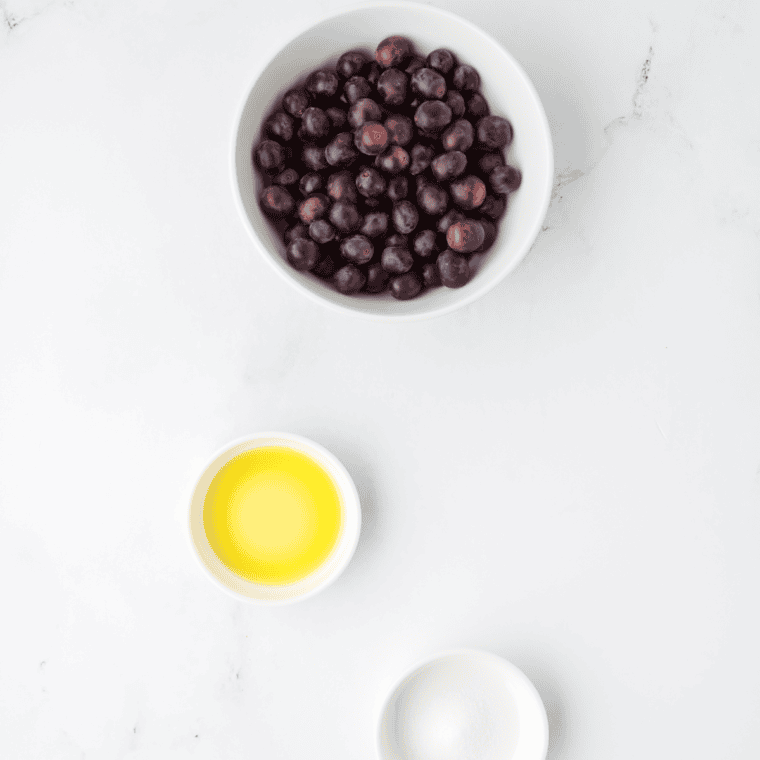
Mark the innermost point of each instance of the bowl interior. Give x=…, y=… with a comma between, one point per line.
x=328, y=571
x=464, y=705
x=504, y=85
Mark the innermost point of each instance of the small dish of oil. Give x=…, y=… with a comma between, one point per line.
x=274, y=518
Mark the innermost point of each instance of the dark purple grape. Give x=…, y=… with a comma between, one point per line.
x=310, y=183
x=421, y=155
x=322, y=84
x=357, y=249
x=349, y=279
x=392, y=87
x=466, y=236
x=432, y=199
x=400, y=129
x=441, y=60
x=453, y=268
x=450, y=217
x=465, y=78
x=356, y=88
x=405, y=217
x=313, y=207
x=269, y=156
x=363, y=111
x=468, y=192
x=448, y=165
x=396, y=259
x=394, y=160
x=375, y=224
x=295, y=102
x=429, y=84
x=341, y=187
x=432, y=116
x=405, y=286
x=303, y=254
x=276, y=201
x=314, y=157
x=345, y=217
x=505, y=179
x=459, y=136
x=455, y=102
x=280, y=126
x=370, y=183
x=494, y=132
x=392, y=51
x=398, y=188
x=377, y=278
x=287, y=177
x=322, y=231
x=425, y=244
x=340, y=150
x=351, y=63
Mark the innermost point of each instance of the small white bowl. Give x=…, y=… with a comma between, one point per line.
x=326, y=573
x=463, y=705
x=504, y=84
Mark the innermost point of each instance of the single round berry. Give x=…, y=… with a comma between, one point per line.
x=362, y=111
x=431, y=277
x=505, y=179
x=489, y=161
x=477, y=106
x=357, y=249
x=351, y=63
x=371, y=138
x=377, y=278
x=375, y=224
x=396, y=259
x=276, y=201
x=356, y=88
x=429, y=84
x=425, y=243
x=269, y=156
x=432, y=116
x=314, y=157
x=432, y=199
x=340, y=150
x=453, y=269
x=489, y=228
x=303, y=254
x=341, y=187
x=313, y=207
x=466, y=236
x=392, y=87
x=448, y=165
x=405, y=217
x=468, y=192
x=295, y=102
x=394, y=160
x=493, y=207
x=400, y=129
x=465, y=78
x=315, y=123
x=392, y=51
x=459, y=136
x=441, y=60
x=421, y=155
x=349, y=279
x=287, y=177
x=345, y=217
x=321, y=231
x=405, y=286
x=310, y=183
x=398, y=188
x=494, y=132
x=279, y=126
x=370, y=183
x=455, y=102
x=298, y=230
x=322, y=84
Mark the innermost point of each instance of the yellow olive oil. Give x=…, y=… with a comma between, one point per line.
x=272, y=515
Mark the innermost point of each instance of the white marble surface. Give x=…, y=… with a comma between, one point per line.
x=566, y=473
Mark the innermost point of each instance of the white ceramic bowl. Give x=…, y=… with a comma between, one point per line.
x=333, y=566
x=504, y=84
x=463, y=705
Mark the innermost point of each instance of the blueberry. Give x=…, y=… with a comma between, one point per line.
x=371, y=138
x=269, y=156
x=398, y=188
x=375, y=224
x=432, y=116
x=441, y=60
x=505, y=179
x=405, y=286
x=315, y=123
x=357, y=249
x=394, y=160
x=377, y=278
x=432, y=199
x=340, y=150
x=392, y=51
x=341, y=187
x=490, y=231
x=295, y=102
x=280, y=126
x=370, y=183
x=298, y=230
x=362, y=111
x=431, y=277
x=310, y=183
x=349, y=279
x=477, y=106
x=450, y=217
x=392, y=87
x=489, y=161
x=303, y=254
x=276, y=201
x=356, y=88
x=313, y=207
x=448, y=165
x=351, y=63
x=493, y=207
x=494, y=132
x=314, y=157
x=453, y=269
x=466, y=236
x=322, y=84
x=459, y=136
x=396, y=259
x=287, y=177
x=422, y=155
x=345, y=217
x=400, y=129
x=425, y=244
x=468, y=192
x=405, y=217
x=465, y=78
x=429, y=84
x=455, y=102
x=321, y=231
x=337, y=117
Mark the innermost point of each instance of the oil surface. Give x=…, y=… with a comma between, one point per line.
x=272, y=515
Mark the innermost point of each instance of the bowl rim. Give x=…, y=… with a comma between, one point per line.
x=352, y=504
x=489, y=283
x=495, y=661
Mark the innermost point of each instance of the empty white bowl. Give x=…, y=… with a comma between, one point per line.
x=505, y=86
x=326, y=573
x=463, y=705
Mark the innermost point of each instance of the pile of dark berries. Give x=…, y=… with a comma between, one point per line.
x=386, y=173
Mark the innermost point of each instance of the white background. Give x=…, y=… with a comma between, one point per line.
x=566, y=473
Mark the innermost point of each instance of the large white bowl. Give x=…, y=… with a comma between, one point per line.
x=504, y=84
x=463, y=705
